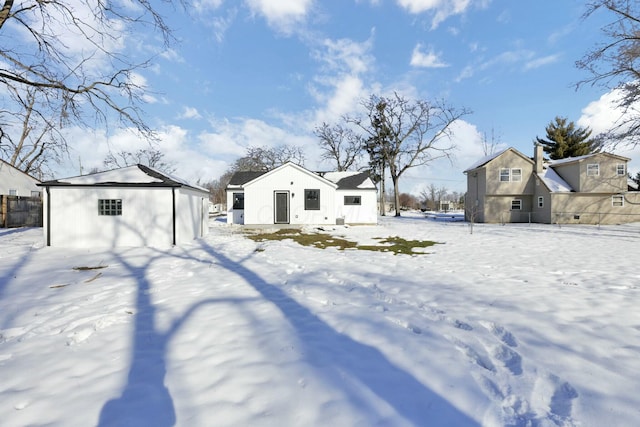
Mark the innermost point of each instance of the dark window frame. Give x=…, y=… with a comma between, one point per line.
x=109, y=207
x=312, y=199
x=352, y=200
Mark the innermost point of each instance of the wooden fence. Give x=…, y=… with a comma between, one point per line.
x=17, y=211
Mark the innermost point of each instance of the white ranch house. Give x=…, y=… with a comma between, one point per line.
x=131, y=206
x=291, y=194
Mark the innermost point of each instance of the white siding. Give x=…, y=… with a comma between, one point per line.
x=259, y=198
x=14, y=179
x=365, y=213
x=192, y=215
x=146, y=220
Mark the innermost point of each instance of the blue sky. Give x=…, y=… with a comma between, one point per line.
x=267, y=72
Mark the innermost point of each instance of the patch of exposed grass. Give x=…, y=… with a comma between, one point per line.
x=395, y=244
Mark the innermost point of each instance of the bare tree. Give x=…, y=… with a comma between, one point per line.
x=148, y=157
x=267, y=158
x=65, y=64
x=37, y=139
x=340, y=145
x=411, y=133
x=615, y=64
x=489, y=145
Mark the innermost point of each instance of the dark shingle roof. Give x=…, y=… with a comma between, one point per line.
x=240, y=178
x=352, y=182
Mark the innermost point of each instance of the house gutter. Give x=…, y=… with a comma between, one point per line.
x=48, y=216
x=173, y=202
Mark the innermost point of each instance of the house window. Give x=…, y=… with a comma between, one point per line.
x=507, y=175
x=621, y=169
x=540, y=202
x=109, y=207
x=13, y=192
x=516, y=205
x=238, y=200
x=311, y=200
x=352, y=200
x=593, y=169
x=617, y=201
x=36, y=194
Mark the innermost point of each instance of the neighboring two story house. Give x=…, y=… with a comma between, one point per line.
x=511, y=187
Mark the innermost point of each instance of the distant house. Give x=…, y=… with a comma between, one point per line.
x=511, y=187
x=131, y=206
x=291, y=194
x=14, y=182
x=20, y=203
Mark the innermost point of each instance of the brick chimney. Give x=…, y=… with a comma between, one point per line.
x=538, y=158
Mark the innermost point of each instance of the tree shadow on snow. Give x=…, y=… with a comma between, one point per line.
x=365, y=364
x=145, y=399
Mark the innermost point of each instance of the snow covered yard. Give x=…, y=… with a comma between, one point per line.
x=512, y=325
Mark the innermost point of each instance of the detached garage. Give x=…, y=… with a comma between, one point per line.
x=132, y=206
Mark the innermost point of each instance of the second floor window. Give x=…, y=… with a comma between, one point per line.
x=593, y=169
x=621, y=169
x=510, y=175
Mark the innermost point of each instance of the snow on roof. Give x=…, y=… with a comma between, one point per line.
x=570, y=159
x=554, y=182
x=350, y=180
x=130, y=175
x=486, y=160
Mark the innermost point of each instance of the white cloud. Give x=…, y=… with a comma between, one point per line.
x=427, y=59
x=602, y=115
x=189, y=113
x=441, y=9
x=281, y=15
x=540, y=62
x=339, y=89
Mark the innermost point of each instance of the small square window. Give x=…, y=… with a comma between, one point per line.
x=352, y=200
x=617, y=201
x=621, y=169
x=13, y=192
x=516, y=175
x=593, y=169
x=505, y=175
x=312, y=200
x=238, y=200
x=109, y=207
x=540, y=202
x=516, y=205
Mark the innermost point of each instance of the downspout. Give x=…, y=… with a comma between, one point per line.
x=48, y=217
x=173, y=202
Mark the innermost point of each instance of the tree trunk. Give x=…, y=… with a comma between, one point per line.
x=396, y=193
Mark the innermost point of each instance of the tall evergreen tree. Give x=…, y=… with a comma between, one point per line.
x=565, y=139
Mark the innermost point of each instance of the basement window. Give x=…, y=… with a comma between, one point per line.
x=352, y=200
x=110, y=207
x=311, y=200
